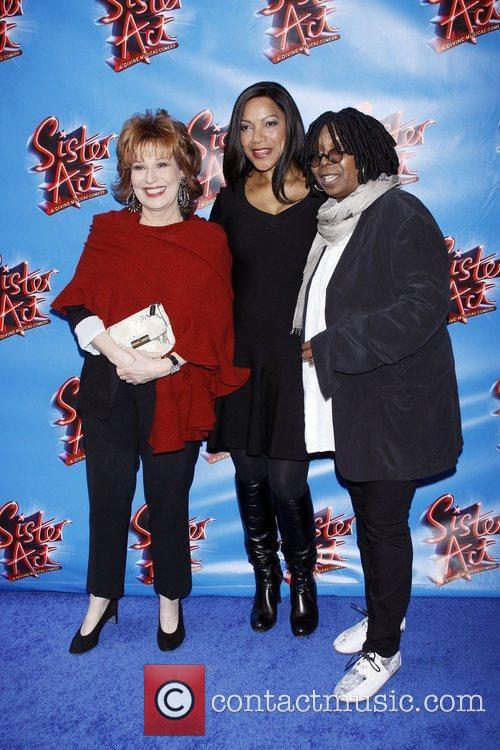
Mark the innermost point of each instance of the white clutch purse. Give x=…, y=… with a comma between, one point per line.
x=148, y=330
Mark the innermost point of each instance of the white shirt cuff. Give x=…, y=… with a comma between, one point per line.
x=87, y=330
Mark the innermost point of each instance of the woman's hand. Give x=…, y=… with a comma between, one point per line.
x=132, y=365
x=121, y=358
x=143, y=367
x=108, y=348
x=307, y=354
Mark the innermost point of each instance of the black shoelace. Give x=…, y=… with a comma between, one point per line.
x=362, y=655
x=359, y=609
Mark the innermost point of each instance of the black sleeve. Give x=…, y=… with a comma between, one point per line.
x=420, y=269
x=75, y=315
x=216, y=214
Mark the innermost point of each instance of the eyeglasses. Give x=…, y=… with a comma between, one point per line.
x=334, y=156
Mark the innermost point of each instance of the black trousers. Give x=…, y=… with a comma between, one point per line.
x=114, y=448
x=382, y=509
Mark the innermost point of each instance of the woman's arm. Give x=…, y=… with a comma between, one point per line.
x=76, y=314
x=105, y=345
x=85, y=326
x=92, y=336
x=216, y=212
x=143, y=367
x=420, y=268
x=133, y=366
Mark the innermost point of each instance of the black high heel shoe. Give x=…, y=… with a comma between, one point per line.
x=171, y=641
x=82, y=643
x=267, y=597
x=304, y=603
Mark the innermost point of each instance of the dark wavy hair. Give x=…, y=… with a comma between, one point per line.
x=236, y=164
x=371, y=144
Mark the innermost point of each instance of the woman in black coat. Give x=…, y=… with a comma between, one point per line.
x=379, y=375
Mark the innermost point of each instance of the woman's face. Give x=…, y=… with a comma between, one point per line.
x=155, y=180
x=337, y=180
x=263, y=132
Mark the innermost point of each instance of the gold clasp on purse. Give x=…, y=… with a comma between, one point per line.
x=136, y=343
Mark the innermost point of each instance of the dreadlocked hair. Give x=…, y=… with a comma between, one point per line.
x=373, y=147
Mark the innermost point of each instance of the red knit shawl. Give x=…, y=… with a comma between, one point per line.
x=126, y=266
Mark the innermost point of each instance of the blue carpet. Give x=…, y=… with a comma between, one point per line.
x=54, y=700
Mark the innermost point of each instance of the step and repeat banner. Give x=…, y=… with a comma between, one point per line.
x=70, y=74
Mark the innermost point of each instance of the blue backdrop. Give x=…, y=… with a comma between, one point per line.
x=65, y=87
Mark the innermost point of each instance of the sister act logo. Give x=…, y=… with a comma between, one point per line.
x=138, y=30
x=210, y=139
x=70, y=162
x=461, y=21
x=21, y=297
x=330, y=531
x=297, y=26
x=8, y=46
x=64, y=400
x=463, y=539
x=472, y=279
x=26, y=543
x=408, y=136
x=139, y=525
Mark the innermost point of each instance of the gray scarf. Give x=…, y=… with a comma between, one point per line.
x=337, y=220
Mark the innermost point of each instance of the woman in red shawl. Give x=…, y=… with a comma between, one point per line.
x=135, y=405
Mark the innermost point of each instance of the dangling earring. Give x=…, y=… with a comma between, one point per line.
x=182, y=195
x=318, y=187
x=133, y=203
x=362, y=174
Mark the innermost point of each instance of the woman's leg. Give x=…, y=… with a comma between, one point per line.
x=167, y=481
x=386, y=506
x=288, y=479
x=249, y=468
x=356, y=493
x=288, y=482
x=258, y=518
x=111, y=465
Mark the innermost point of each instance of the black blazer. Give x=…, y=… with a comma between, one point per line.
x=98, y=380
x=385, y=356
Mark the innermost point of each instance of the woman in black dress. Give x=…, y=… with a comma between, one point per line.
x=270, y=219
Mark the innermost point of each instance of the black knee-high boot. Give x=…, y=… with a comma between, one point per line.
x=298, y=532
x=261, y=544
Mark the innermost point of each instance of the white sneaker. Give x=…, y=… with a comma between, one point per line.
x=351, y=641
x=365, y=678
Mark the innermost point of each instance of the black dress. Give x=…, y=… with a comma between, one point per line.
x=266, y=415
